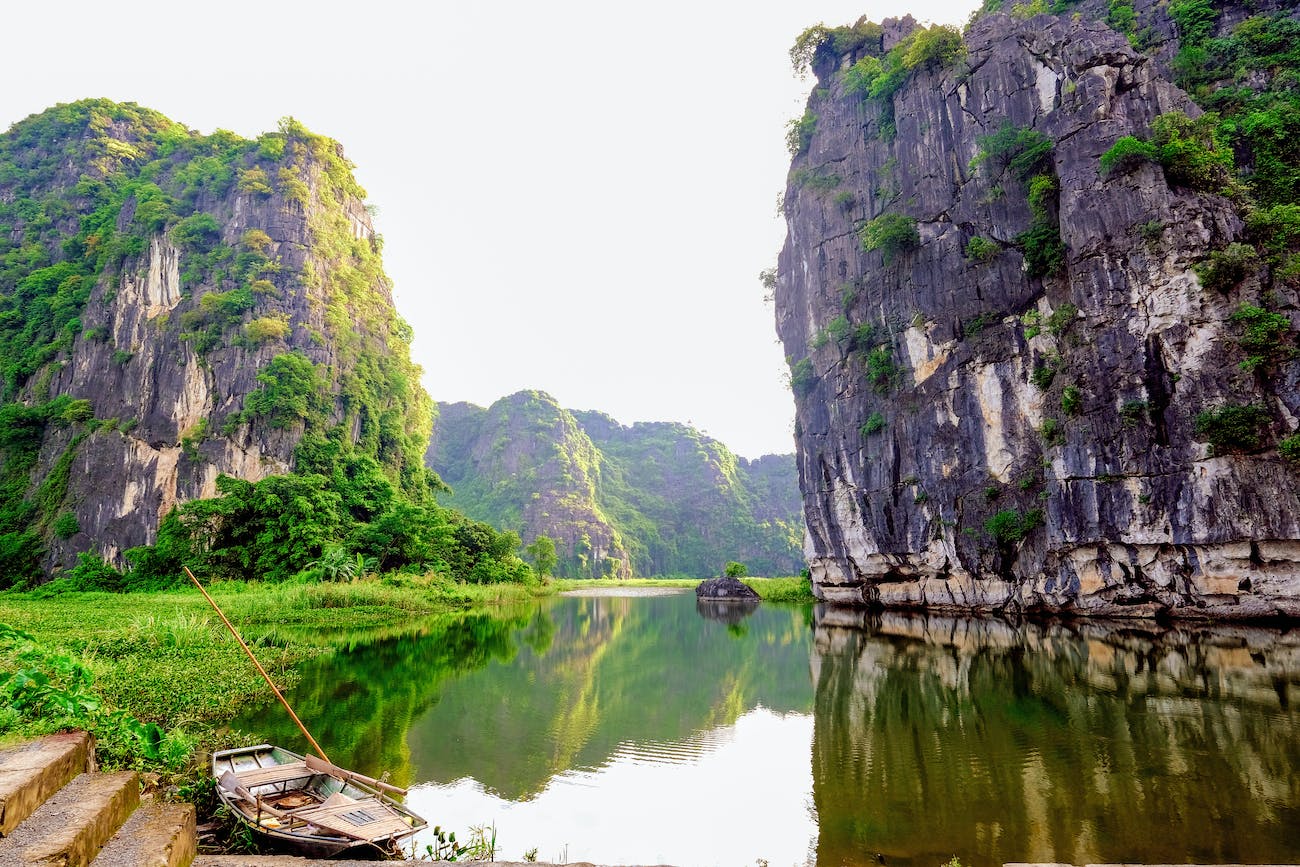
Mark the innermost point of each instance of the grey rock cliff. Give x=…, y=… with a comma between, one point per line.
x=172, y=339
x=1117, y=508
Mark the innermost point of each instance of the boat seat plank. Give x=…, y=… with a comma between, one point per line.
x=274, y=774
x=348, y=819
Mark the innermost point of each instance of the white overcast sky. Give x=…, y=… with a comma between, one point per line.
x=575, y=196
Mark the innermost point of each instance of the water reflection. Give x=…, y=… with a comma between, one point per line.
x=648, y=730
x=728, y=611
x=1079, y=744
x=513, y=700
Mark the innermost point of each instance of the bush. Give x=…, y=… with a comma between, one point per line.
x=802, y=377
x=1190, y=152
x=291, y=390
x=879, y=78
x=1062, y=318
x=839, y=330
x=1121, y=16
x=1262, y=335
x=881, y=369
x=1043, y=373
x=891, y=234
x=1232, y=428
x=1275, y=229
x=256, y=241
x=65, y=526
x=267, y=328
x=735, y=570
x=981, y=249
x=1290, y=448
x=972, y=327
x=1043, y=249
x=938, y=45
x=1132, y=412
x=1023, y=151
x=1126, y=154
x=92, y=573
x=254, y=181
x=1009, y=526
x=197, y=234
x=1223, y=269
x=799, y=133
x=874, y=424
x=1052, y=432
x=1071, y=400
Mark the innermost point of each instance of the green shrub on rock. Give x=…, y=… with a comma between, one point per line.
x=891, y=234
x=1232, y=428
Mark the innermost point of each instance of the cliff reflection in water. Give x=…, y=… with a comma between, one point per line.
x=512, y=699
x=1080, y=744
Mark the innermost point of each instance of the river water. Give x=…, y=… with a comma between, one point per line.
x=634, y=730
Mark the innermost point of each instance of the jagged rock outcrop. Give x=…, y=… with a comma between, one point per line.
x=1022, y=381
x=174, y=307
x=650, y=499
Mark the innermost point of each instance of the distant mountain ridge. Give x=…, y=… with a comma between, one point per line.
x=653, y=498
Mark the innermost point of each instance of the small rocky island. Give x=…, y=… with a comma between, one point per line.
x=725, y=588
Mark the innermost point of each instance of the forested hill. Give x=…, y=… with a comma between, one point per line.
x=203, y=321
x=650, y=499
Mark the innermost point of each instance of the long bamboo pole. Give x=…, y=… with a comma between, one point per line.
x=275, y=689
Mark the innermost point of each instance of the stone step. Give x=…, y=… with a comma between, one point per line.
x=291, y=861
x=31, y=772
x=70, y=828
x=156, y=835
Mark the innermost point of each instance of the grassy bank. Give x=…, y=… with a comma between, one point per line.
x=155, y=675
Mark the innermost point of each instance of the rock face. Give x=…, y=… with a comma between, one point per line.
x=979, y=427
x=177, y=307
x=650, y=499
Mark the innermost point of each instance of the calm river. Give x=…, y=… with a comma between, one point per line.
x=648, y=731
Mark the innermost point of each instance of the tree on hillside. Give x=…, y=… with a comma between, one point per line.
x=543, y=553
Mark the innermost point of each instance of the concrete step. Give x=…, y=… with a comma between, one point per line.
x=156, y=835
x=31, y=772
x=70, y=828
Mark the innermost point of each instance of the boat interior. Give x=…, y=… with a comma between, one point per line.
x=283, y=793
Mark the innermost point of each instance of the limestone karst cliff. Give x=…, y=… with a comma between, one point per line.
x=175, y=306
x=1040, y=310
x=649, y=499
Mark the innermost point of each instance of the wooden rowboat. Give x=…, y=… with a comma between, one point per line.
x=310, y=807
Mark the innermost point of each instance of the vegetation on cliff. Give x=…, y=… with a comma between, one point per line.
x=280, y=287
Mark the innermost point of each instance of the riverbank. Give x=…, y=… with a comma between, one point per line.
x=157, y=679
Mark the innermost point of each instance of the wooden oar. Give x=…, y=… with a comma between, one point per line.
x=275, y=689
x=328, y=767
